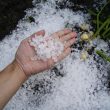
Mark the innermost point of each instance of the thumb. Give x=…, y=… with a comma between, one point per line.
x=41, y=32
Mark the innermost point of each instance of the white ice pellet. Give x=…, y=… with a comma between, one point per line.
x=47, y=47
x=76, y=89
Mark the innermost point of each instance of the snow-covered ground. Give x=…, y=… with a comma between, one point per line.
x=81, y=86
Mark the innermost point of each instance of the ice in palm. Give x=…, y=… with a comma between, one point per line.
x=76, y=90
x=46, y=47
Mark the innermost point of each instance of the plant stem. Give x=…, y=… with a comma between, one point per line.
x=92, y=12
x=98, y=15
x=102, y=26
x=103, y=55
x=107, y=25
x=106, y=31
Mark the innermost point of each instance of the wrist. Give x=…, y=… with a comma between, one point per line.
x=17, y=69
x=11, y=79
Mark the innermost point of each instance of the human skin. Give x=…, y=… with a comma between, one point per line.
x=22, y=67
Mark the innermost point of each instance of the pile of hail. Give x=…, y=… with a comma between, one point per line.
x=47, y=47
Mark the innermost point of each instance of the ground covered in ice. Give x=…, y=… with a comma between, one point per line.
x=71, y=85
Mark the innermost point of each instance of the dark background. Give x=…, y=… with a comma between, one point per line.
x=11, y=11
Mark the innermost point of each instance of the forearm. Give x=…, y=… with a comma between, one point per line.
x=11, y=78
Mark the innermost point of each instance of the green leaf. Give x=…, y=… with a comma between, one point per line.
x=106, y=32
x=95, y=22
x=92, y=12
x=101, y=27
x=99, y=13
x=103, y=55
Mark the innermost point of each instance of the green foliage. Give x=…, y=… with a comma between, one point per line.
x=102, y=27
x=103, y=55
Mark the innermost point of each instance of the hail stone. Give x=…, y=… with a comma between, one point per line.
x=47, y=47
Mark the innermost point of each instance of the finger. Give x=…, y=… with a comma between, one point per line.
x=64, y=54
x=41, y=32
x=69, y=43
x=68, y=36
x=61, y=32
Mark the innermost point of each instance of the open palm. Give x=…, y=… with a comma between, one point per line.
x=25, y=52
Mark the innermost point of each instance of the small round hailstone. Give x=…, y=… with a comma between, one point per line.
x=47, y=47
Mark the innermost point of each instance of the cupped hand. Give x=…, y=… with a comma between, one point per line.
x=25, y=52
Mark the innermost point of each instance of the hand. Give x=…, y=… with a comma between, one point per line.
x=25, y=52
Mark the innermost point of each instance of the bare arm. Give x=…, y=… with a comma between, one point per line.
x=11, y=78
x=15, y=74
